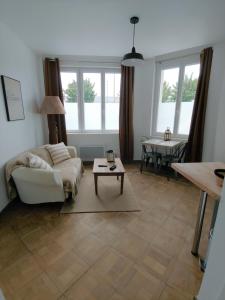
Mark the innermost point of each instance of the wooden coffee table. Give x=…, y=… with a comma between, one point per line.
x=105, y=171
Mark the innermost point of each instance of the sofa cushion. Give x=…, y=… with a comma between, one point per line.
x=34, y=161
x=58, y=152
x=43, y=153
x=71, y=171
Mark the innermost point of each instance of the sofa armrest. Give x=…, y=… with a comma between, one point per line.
x=72, y=151
x=38, y=176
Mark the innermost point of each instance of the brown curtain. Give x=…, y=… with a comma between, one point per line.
x=53, y=87
x=195, y=140
x=126, y=131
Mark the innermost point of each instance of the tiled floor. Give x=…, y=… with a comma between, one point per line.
x=105, y=256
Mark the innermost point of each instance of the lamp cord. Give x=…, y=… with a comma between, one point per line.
x=133, y=34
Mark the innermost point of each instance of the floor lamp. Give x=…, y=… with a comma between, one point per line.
x=52, y=105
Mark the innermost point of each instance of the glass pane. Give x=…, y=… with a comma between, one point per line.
x=112, y=101
x=189, y=86
x=69, y=85
x=167, y=100
x=92, y=101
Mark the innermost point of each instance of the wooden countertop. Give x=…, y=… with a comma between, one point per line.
x=202, y=175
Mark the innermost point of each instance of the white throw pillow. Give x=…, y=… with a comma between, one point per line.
x=34, y=161
x=58, y=152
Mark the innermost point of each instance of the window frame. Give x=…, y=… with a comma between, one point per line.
x=81, y=122
x=180, y=63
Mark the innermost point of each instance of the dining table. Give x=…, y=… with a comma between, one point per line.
x=158, y=144
x=159, y=148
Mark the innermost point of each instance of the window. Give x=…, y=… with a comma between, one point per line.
x=112, y=99
x=69, y=85
x=176, y=83
x=91, y=99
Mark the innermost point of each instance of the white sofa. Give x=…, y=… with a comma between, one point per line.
x=39, y=186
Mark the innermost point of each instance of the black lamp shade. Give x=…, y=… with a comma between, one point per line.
x=132, y=59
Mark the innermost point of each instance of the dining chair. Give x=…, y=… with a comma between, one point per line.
x=148, y=156
x=175, y=157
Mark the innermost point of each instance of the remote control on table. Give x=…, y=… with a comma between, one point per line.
x=112, y=168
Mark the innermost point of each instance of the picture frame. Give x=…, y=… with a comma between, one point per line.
x=13, y=98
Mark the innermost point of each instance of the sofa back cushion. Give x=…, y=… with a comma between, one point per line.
x=58, y=153
x=34, y=161
x=43, y=153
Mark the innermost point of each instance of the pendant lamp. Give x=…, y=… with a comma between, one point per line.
x=133, y=58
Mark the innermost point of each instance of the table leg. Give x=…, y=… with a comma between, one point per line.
x=142, y=159
x=199, y=223
x=121, y=187
x=203, y=260
x=96, y=184
x=215, y=210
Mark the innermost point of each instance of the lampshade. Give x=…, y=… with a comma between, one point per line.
x=132, y=59
x=52, y=105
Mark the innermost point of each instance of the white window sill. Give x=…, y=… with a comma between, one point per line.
x=92, y=132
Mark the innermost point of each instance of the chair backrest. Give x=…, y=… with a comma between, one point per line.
x=142, y=140
x=180, y=151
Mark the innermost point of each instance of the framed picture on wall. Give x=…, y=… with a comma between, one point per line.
x=13, y=98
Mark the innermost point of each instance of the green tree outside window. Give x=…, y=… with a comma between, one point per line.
x=70, y=93
x=169, y=93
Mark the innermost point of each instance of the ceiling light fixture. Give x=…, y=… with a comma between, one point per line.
x=133, y=58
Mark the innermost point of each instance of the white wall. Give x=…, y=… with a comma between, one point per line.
x=214, y=138
x=219, y=151
x=213, y=284
x=109, y=141
x=143, y=97
x=19, y=62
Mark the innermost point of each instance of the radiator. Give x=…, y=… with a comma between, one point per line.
x=88, y=153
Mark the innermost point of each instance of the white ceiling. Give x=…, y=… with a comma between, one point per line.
x=102, y=28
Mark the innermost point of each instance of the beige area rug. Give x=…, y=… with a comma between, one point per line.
x=108, y=199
